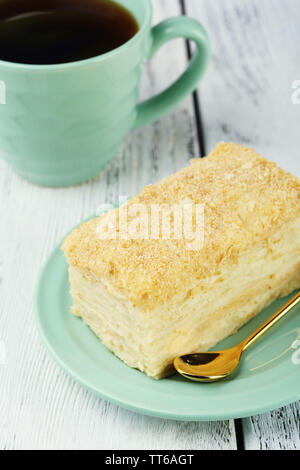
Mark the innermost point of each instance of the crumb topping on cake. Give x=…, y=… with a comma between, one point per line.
x=246, y=200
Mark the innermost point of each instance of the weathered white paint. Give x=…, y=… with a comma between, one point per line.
x=40, y=406
x=249, y=96
x=246, y=96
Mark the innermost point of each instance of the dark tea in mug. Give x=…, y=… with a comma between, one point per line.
x=44, y=32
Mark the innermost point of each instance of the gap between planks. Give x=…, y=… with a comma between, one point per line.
x=238, y=423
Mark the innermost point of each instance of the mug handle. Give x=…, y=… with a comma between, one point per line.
x=161, y=104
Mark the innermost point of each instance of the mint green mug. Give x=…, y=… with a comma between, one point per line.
x=61, y=124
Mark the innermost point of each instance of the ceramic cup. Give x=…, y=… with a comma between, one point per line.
x=61, y=124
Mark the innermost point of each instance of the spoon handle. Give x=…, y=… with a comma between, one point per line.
x=271, y=322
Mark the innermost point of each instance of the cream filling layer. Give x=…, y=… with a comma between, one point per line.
x=212, y=310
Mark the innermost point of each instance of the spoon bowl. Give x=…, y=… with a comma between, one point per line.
x=210, y=366
x=217, y=365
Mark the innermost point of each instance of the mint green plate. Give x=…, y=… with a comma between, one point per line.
x=269, y=376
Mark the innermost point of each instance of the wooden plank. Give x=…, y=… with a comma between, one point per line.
x=247, y=94
x=40, y=406
x=246, y=97
x=278, y=430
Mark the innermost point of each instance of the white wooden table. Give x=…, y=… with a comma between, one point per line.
x=246, y=97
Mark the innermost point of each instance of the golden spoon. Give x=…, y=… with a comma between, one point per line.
x=214, y=366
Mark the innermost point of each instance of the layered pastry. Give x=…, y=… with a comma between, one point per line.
x=189, y=260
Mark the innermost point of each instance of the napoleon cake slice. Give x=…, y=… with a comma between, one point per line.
x=153, y=292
